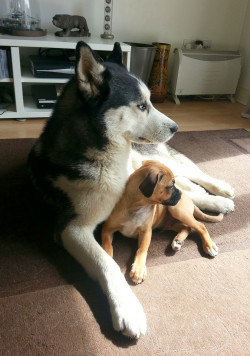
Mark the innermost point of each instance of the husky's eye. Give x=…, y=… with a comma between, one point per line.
x=142, y=107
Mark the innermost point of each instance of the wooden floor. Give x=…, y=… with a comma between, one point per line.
x=191, y=115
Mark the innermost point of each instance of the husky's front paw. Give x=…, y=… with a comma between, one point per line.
x=128, y=316
x=224, y=205
x=223, y=189
x=228, y=191
x=213, y=203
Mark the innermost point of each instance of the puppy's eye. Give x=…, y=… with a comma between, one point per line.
x=142, y=107
x=170, y=187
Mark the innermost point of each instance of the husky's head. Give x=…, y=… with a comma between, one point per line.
x=121, y=100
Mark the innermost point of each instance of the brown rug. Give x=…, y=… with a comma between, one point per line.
x=195, y=305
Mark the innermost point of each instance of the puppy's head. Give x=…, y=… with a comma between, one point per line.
x=159, y=184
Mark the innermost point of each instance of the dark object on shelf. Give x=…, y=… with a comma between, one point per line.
x=52, y=67
x=6, y=95
x=68, y=22
x=142, y=57
x=22, y=32
x=158, y=77
x=198, y=44
x=6, y=99
x=20, y=18
x=44, y=95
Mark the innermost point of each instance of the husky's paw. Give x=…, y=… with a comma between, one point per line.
x=177, y=245
x=223, y=205
x=223, y=189
x=138, y=273
x=228, y=191
x=213, y=203
x=211, y=249
x=128, y=315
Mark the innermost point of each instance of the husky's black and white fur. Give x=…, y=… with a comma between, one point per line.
x=83, y=158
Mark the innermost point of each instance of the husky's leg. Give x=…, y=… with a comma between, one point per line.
x=213, y=185
x=126, y=311
x=202, y=199
x=183, y=166
x=186, y=185
x=187, y=173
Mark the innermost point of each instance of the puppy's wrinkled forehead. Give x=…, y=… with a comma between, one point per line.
x=166, y=178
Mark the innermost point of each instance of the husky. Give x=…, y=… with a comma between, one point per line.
x=83, y=158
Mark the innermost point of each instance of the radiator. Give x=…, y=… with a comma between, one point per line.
x=205, y=72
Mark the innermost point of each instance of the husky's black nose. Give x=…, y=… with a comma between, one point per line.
x=174, y=128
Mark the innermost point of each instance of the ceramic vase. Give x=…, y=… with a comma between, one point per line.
x=158, y=76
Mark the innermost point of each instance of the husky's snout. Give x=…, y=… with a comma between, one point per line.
x=174, y=128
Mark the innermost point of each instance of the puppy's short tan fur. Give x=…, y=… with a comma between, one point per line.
x=151, y=201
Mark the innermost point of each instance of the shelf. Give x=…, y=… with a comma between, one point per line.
x=6, y=80
x=52, y=41
x=10, y=112
x=27, y=77
x=22, y=80
x=30, y=109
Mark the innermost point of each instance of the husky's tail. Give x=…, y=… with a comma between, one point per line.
x=204, y=217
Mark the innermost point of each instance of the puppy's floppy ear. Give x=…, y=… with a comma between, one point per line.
x=88, y=70
x=116, y=54
x=148, y=185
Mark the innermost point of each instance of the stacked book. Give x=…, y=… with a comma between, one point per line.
x=5, y=63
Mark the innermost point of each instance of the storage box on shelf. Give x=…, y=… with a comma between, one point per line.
x=24, y=106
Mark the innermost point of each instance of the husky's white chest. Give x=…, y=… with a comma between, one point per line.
x=136, y=220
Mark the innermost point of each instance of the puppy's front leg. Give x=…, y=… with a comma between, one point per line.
x=185, y=217
x=138, y=270
x=182, y=233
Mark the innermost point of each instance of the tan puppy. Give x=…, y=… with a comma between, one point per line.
x=151, y=201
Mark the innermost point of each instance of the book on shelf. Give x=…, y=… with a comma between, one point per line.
x=5, y=63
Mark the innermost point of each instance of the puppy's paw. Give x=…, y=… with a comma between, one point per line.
x=138, y=272
x=177, y=245
x=211, y=249
x=128, y=315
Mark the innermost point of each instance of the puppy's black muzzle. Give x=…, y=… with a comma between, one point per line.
x=174, y=199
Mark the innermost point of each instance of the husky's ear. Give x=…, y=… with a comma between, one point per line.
x=88, y=70
x=116, y=54
x=148, y=185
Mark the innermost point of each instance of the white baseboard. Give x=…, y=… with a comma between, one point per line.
x=242, y=95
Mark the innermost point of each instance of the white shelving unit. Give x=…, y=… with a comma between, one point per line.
x=24, y=106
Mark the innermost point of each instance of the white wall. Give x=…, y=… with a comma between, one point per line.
x=169, y=21
x=243, y=91
x=160, y=20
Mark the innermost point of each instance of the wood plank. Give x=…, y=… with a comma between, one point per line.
x=191, y=115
